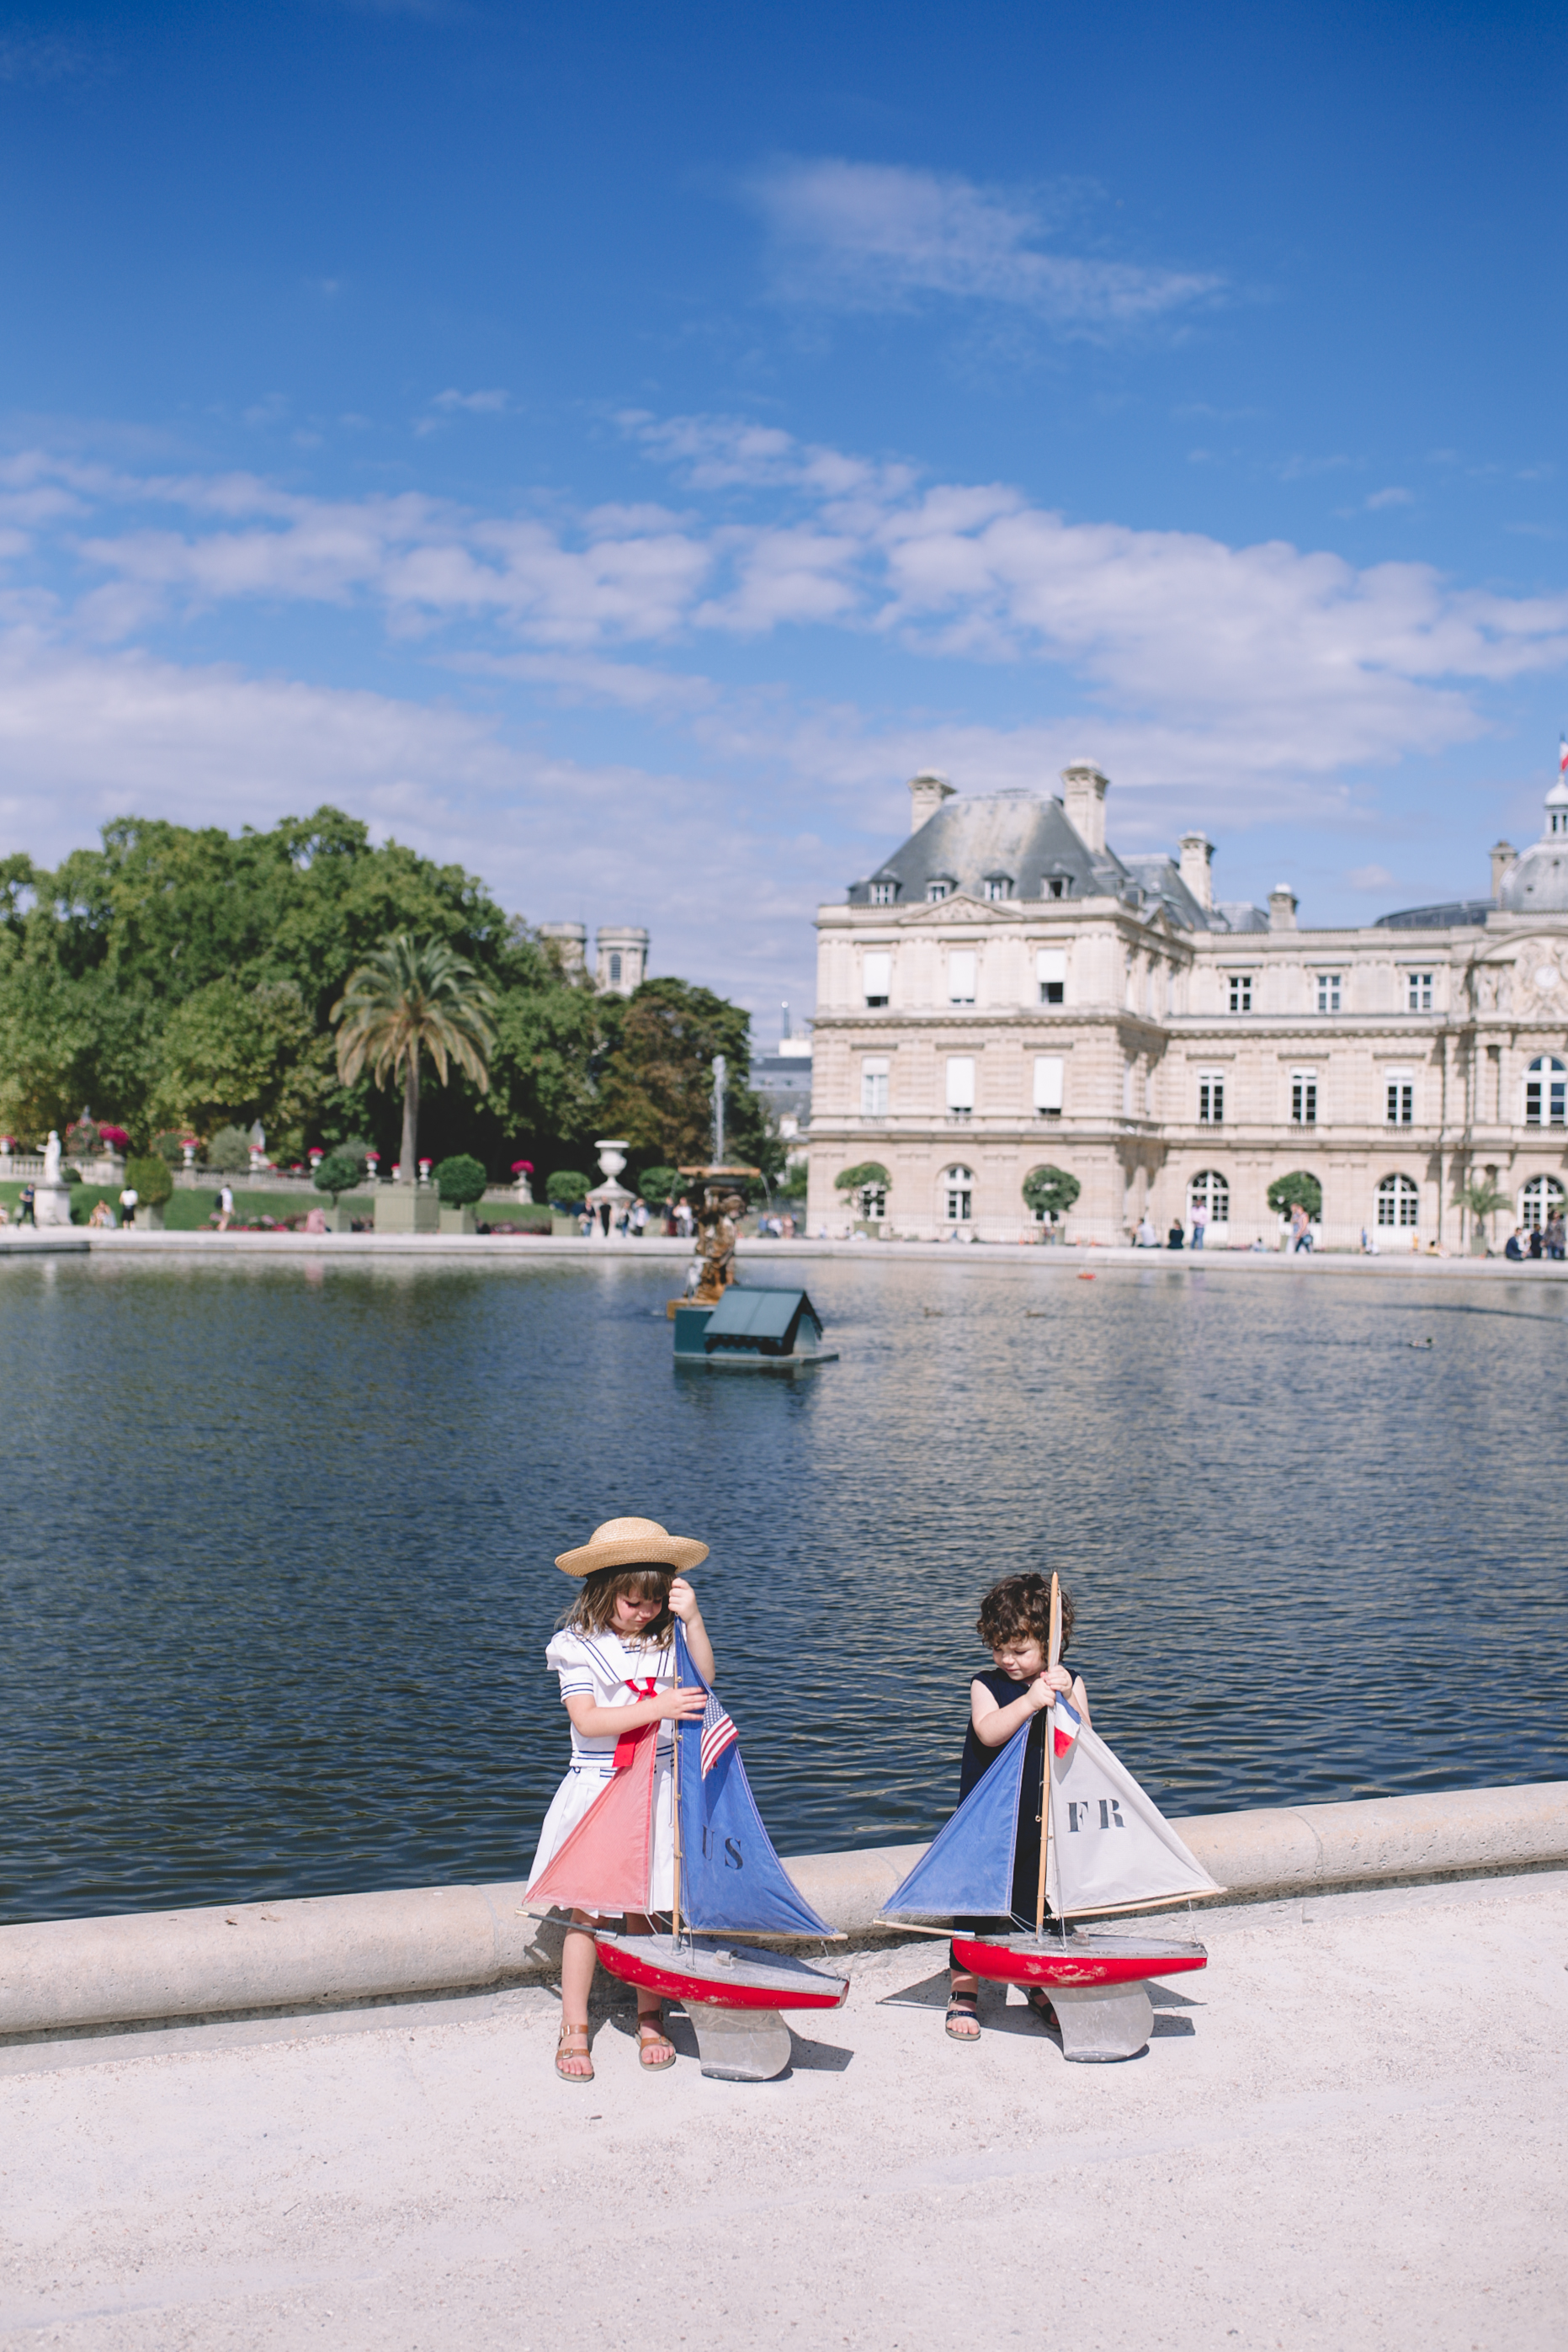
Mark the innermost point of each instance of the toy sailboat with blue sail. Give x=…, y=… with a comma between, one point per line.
x=1105, y=1848
x=729, y=1885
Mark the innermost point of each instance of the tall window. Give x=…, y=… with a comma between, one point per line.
x=937, y=890
x=876, y=973
x=960, y=1085
x=1399, y=1202
x=957, y=1184
x=882, y=894
x=1417, y=991
x=1328, y=992
x=1211, y=1102
x=1541, y=1199
x=998, y=886
x=614, y=970
x=1240, y=992
x=1303, y=1098
x=873, y=1087
x=961, y=976
x=1048, y=1071
x=1051, y=970
x=1212, y=1190
x=1401, y=1099
x=1545, y=1092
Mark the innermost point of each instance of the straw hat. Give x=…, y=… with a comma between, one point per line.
x=631, y=1543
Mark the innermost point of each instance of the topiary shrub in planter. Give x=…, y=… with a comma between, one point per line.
x=460, y=1181
x=229, y=1151
x=150, y=1180
x=339, y=1173
x=870, y=1182
x=1297, y=1189
x=566, y=1187
x=1048, y=1193
x=659, y=1185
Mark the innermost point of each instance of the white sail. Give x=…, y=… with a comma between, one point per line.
x=1111, y=1846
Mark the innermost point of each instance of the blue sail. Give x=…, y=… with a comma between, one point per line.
x=967, y=1868
x=731, y=1879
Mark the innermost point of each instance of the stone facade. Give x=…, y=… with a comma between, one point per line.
x=1007, y=993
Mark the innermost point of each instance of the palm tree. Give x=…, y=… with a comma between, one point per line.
x=407, y=999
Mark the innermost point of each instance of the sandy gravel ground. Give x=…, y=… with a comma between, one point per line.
x=1349, y=2131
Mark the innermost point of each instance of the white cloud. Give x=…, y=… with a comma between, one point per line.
x=1370, y=877
x=1390, y=498
x=878, y=237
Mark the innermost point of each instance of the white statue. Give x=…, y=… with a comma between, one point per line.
x=52, y=1159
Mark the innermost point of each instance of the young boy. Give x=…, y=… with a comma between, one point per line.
x=1015, y=1625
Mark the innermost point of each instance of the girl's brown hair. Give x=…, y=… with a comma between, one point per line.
x=1021, y=1605
x=593, y=1609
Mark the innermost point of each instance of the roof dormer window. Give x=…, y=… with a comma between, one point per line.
x=883, y=894
x=1056, y=886
x=998, y=886
x=940, y=886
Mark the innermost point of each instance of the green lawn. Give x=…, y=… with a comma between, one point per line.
x=193, y=1212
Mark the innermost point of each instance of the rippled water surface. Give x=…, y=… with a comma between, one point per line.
x=276, y=1560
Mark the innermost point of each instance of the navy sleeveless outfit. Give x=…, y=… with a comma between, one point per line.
x=977, y=1761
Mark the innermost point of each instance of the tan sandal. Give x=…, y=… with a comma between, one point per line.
x=652, y=2037
x=570, y=2035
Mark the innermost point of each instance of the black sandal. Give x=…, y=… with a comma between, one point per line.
x=963, y=2004
x=1039, y=2000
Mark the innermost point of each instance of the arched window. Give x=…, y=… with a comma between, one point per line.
x=1212, y=1192
x=1546, y=1092
x=615, y=970
x=958, y=1190
x=1541, y=1200
x=1399, y=1202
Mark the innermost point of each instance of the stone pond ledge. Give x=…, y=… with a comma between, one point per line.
x=64, y=1976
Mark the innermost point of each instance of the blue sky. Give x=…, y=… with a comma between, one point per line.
x=615, y=448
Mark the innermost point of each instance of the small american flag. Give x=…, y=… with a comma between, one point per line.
x=718, y=1733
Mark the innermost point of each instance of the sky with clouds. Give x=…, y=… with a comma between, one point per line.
x=614, y=450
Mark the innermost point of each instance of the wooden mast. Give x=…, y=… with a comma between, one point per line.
x=1047, y=1742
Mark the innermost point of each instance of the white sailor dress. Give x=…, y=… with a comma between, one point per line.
x=612, y=1673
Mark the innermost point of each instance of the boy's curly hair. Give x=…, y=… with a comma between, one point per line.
x=1021, y=1605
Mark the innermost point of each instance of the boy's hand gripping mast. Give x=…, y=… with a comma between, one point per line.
x=1047, y=1744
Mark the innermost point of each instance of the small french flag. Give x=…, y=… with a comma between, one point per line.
x=1068, y=1725
x=1562, y=755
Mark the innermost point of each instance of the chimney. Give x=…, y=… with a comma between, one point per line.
x=1282, y=908
x=928, y=790
x=1503, y=853
x=1084, y=800
x=1197, y=868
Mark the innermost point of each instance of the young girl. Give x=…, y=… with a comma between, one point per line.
x=1015, y=1626
x=615, y=1657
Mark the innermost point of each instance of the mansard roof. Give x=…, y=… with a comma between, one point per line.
x=1027, y=839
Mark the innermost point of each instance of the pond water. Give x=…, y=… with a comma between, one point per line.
x=277, y=1566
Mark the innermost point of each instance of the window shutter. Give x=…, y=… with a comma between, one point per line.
x=960, y=1082
x=961, y=976
x=878, y=974
x=1048, y=1081
x=1050, y=963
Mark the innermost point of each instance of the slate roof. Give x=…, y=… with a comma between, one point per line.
x=1459, y=914
x=1026, y=838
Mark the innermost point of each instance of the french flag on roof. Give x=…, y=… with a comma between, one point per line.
x=1068, y=1725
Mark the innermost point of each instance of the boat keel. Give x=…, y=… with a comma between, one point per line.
x=739, y=2045
x=1103, y=2021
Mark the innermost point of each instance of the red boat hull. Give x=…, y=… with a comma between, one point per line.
x=1129, y=1961
x=741, y=1982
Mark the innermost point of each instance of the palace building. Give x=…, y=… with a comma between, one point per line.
x=1006, y=994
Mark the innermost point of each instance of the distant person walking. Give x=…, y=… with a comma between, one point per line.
x=1200, y=1223
x=225, y=1208
x=26, y=1206
x=1301, y=1230
x=1555, y=1234
x=127, y=1200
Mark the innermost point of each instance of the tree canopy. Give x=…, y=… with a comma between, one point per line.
x=181, y=980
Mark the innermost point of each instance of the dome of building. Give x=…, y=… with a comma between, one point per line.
x=1537, y=881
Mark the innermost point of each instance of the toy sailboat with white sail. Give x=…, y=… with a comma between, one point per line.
x=1105, y=1849
x=729, y=1883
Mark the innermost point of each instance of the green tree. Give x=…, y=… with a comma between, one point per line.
x=1051, y=1192
x=566, y=1186
x=340, y=1171
x=659, y=1184
x=151, y=1178
x=1481, y=1197
x=409, y=999
x=232, y=1055
x=1297, y=1189
x=229, y=1151
x=657, y=1084
x=460, y=1181
x=863, y=1172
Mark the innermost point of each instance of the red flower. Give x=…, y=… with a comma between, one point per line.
x=522, y=1167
